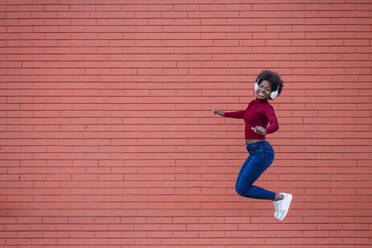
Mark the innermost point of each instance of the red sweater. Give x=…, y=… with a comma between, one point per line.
x=258, y=113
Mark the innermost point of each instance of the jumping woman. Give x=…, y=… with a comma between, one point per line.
x=257, y=116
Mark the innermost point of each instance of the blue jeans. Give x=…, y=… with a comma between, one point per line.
x=261, y=155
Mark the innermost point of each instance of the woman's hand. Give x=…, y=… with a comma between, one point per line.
x=259, y=130
x=218, y=112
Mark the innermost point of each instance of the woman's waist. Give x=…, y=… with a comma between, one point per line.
x=253, y=145
x=250, y=141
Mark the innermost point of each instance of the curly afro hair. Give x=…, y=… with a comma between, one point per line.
x=273, y=78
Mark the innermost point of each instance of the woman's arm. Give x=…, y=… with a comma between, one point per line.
x=237, y=115
x=273, y=121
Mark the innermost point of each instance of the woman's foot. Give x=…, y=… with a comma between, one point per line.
x=277, y=201
x=282, y=205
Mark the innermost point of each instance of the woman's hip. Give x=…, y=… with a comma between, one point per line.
x=261, y=150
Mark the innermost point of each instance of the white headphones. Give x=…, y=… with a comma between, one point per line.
x=273, y=94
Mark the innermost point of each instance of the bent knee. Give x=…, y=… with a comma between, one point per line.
x=241, y=189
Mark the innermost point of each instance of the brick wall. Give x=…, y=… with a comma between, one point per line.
x=107, y=138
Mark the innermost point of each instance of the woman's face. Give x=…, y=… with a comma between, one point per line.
x=264, y=90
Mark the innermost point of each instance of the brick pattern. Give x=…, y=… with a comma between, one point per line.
x=107, y=138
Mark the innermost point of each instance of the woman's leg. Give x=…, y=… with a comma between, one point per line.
x=251, y=170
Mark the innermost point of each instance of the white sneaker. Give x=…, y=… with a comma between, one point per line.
x=284, y=206
x=277, y=207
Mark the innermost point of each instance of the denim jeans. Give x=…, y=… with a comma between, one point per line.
x=261, y=155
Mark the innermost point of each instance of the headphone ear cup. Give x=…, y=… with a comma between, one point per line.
x=274, y=94
x=256, y=86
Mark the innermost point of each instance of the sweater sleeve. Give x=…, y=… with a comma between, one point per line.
x=273, y=121
x=237, y=115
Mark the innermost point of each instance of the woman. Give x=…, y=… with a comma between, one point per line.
x=256, y=117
